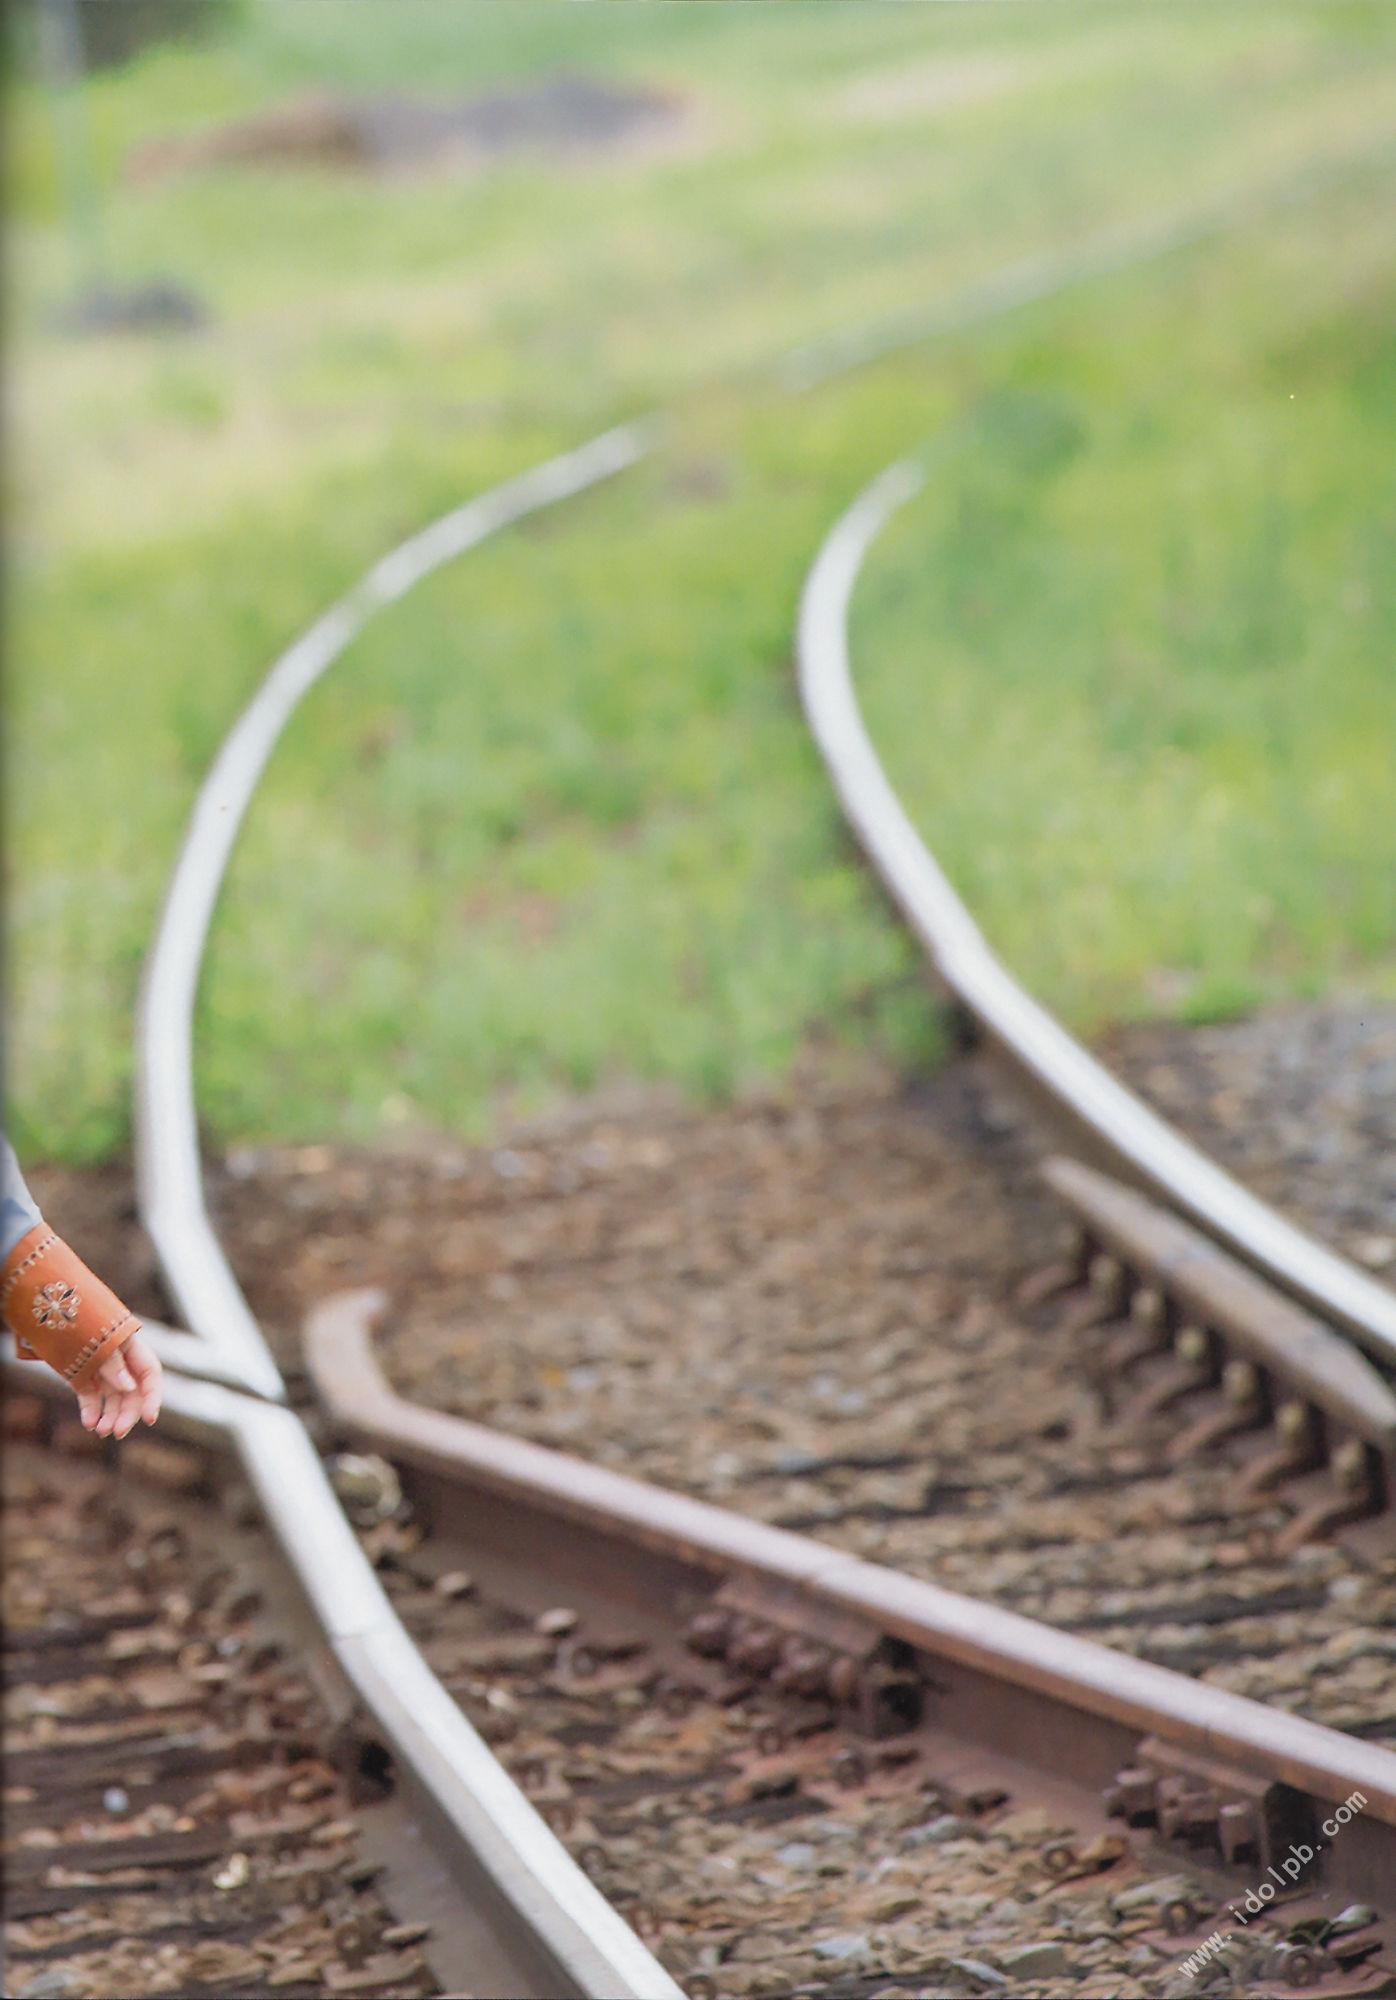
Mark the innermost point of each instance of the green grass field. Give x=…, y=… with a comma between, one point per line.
x=1129, y=659
x=554, y=820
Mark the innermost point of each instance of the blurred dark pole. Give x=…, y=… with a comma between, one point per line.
x=98, y=305
x=61, y=52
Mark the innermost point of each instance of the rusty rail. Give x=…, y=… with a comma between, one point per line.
x=1237, y=1357
x=1217, y=1292
x=1059, y=1701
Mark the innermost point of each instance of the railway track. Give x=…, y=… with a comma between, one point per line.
x=1210, y=1293
x=507, y=1910
x=176, y=1820
x=677, y=1688
x=537, y=1924
x=861, y=1742
x=803, y=1308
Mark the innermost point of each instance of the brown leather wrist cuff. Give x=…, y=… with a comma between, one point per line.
x=58, y=1310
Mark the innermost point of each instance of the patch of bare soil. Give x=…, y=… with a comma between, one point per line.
x=561, y=115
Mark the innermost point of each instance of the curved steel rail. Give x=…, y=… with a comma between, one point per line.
x=168, y=1169
x=1117, y=1122
x=545, y=1929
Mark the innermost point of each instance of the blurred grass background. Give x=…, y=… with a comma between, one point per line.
x=1130, y=658
x=554, y=820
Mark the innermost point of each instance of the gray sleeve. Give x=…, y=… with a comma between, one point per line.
x=18, y=1209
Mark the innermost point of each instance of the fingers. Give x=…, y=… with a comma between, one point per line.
x=114, y=1373
x=144, y=1365
x=125, y=1391
x=119, y=1413
x=120, y=1402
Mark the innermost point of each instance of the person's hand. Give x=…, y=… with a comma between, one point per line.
x=126, y=1386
